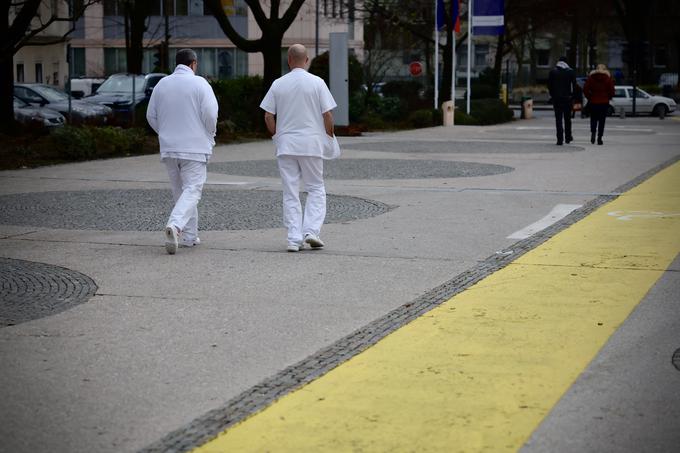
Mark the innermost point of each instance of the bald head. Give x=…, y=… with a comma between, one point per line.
x=297, y=56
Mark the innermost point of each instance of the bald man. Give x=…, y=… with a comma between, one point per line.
x=298, y=115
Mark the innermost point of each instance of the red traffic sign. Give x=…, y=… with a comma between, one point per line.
x=415, y=68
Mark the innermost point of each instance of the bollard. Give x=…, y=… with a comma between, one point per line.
x=622, y=112
x=447, y=113
x=527, y=108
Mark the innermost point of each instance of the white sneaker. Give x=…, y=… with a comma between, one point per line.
x=189, y=243
x=292, y=247
x=171, y=239
x=313, y=240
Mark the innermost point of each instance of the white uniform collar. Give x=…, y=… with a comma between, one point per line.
x=183, y=69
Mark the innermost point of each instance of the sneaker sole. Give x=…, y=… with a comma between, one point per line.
x=314, y=243
x=170, y=244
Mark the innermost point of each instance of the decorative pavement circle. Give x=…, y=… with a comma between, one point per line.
x=148, y=209
x=369, y=169
x=458, y=147
x=31, y=290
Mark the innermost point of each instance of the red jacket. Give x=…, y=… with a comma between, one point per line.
x=599, y=88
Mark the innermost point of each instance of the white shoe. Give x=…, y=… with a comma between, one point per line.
x=171, y=239
x=189, y=243
x=313, y=240
x=292, y=247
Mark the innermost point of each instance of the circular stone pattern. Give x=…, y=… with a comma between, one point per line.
x=31, y=290
x=148, y=210
x=462, y=147
x=370, y=169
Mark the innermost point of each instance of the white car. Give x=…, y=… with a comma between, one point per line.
x=645, y=103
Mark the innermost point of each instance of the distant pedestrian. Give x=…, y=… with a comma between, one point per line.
x=562, y=87
x=298, y=115
x=599, y=90
x=183, y=111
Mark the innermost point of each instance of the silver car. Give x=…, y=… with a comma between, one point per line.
x=35, y=117
x=645, y=103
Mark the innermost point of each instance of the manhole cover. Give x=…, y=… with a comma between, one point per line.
x=369, y=169
x=148, y=210
x=31, y=290
x=462, y=147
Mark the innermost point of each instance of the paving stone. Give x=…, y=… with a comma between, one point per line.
x=474, y=147
x=370, y=169
x=148, y=209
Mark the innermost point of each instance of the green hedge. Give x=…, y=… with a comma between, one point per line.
x=239, y=103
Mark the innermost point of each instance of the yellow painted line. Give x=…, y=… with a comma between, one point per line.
x=481, y=371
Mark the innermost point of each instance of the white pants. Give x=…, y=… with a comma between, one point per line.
x=310, y=169
x=186, y=181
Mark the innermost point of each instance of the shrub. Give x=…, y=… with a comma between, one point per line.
x=487, y=111
x=424, y=118
x=390, y=108
x=319, y=67
x=239, y=102
x=74, y=143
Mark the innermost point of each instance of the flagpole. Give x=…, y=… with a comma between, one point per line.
x=436, y=59
x=469, y=52
x=453, y=75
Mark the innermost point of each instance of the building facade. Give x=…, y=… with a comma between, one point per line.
x=96, y=48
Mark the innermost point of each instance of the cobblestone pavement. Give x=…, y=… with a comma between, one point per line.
x=147, y=210
x=371, y=169
x=462, y=147
x=31, y=290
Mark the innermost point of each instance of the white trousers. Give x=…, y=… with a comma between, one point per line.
x=186, y=181
x=310, y=170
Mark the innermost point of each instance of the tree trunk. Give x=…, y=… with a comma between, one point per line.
x=271, y=53
x=7, y=94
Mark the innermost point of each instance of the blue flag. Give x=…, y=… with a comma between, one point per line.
x=488, y=17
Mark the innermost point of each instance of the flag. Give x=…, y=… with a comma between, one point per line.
x=488, y=17
x=455, y=14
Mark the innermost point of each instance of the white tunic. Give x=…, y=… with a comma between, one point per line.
x=183, y=111
x=299, y=99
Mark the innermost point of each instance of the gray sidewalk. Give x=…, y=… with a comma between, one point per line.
x=164, y=339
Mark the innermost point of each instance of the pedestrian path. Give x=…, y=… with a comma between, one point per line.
x=483, y=369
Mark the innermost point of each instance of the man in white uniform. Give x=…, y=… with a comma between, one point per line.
x=298, y=115
x=183, y=111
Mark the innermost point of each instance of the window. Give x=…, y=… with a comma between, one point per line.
x=481, y=51
x=543, y=58
x=114, y=60
x=619, y=93
x=20, y=73
x=660, y=56
x=55, y=73
x=38, y=73
x=77, y=62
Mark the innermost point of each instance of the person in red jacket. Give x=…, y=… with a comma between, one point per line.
x=599, y=89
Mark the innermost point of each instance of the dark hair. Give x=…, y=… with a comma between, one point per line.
x=563, y=58
x=185, y=57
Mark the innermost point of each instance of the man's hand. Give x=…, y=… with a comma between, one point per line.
x=328, y=123
x=270, y=121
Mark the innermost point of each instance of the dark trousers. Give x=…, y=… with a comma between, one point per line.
x=598, y=114
x=563, y=115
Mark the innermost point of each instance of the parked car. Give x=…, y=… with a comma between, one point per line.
x=35, y=117
x=84, y=86
x=82, y=112
x=116, y=93
x=645, y=103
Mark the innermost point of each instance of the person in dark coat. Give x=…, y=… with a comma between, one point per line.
x=562, y=87
x=599, y=89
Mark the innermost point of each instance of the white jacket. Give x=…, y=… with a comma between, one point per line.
x=183, y=111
